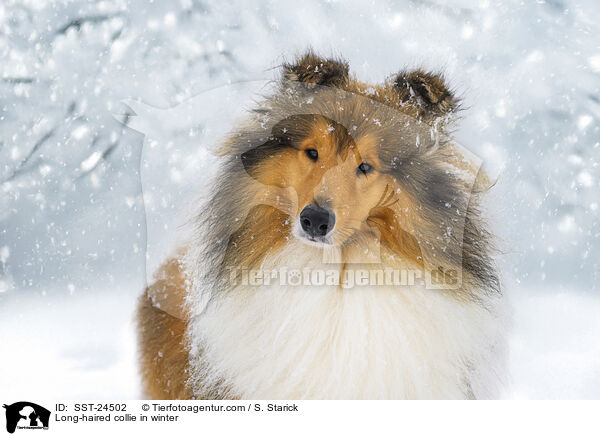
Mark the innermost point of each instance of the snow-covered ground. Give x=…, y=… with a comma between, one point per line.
x=72, y=347
x=74, y=226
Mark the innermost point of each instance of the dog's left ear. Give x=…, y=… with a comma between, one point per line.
x=315, y=70
x=427, y=92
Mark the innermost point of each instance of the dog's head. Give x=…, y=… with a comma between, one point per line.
x=337, y=178
x=330, y=161
x=353, y=162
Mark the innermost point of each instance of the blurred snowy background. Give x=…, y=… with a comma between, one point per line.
x=72, y=218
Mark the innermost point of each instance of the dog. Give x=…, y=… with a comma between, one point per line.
x=341, y=254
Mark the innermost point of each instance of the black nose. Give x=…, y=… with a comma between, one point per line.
x=316, y=221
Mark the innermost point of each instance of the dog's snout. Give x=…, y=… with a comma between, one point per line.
x=316, y=221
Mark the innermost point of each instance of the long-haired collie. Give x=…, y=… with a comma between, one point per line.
x=341, y=254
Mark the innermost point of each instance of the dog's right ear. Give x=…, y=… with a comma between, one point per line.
x=315, y=70
x=427, y=92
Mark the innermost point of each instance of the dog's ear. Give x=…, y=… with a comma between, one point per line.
x=426, y=91
x=315, y=70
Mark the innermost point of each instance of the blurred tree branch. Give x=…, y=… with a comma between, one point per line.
x=78, y=22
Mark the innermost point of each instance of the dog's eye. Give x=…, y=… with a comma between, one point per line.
x=312, y=154
x=364, y=168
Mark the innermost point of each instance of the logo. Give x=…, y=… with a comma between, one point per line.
x=26, y=415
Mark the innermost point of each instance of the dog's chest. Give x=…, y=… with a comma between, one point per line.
x=298, y=341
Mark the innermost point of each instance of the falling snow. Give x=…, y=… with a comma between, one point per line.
x=79, y=190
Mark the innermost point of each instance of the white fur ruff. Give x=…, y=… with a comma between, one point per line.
x=296, y=342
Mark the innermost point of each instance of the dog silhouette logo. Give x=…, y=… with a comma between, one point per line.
x=26, y=415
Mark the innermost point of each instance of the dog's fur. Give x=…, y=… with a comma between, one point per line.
x=205, y=333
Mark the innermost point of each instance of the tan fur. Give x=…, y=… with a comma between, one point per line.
x=162, y=322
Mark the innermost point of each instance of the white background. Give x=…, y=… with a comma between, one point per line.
x=361, y=417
